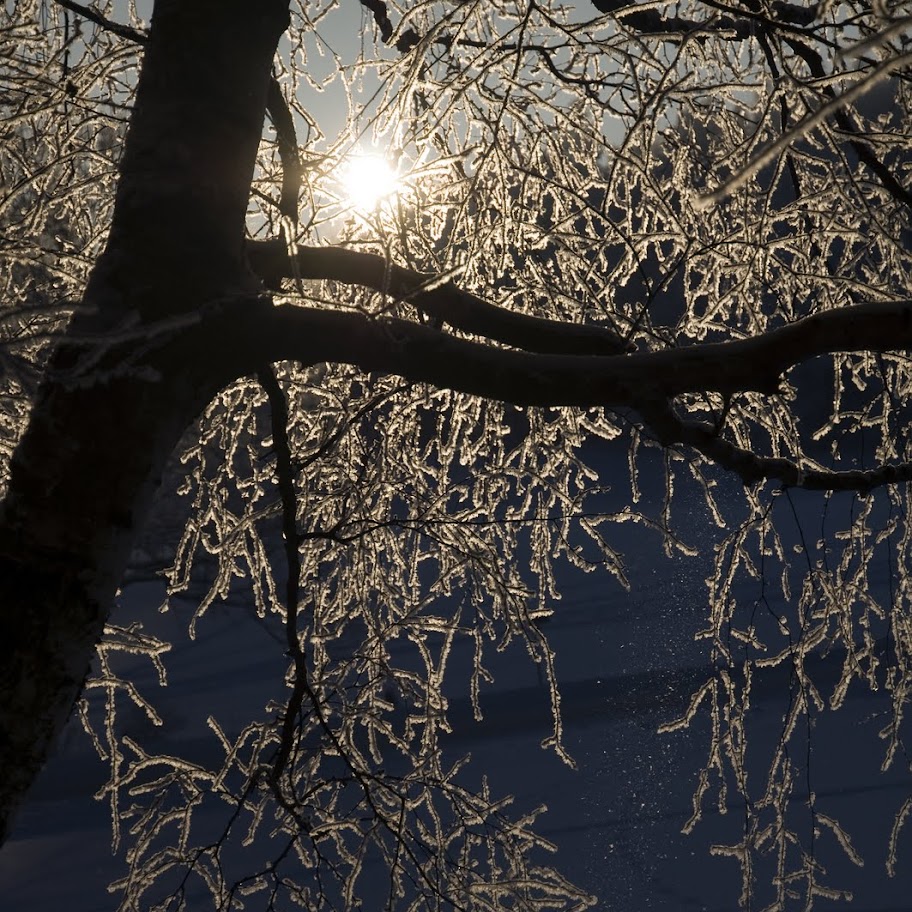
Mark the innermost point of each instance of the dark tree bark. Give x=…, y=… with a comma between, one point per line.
x=110, y=413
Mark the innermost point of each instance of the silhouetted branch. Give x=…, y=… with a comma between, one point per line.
x=442, y=301
x=640, y=381
x=419, y=352
x=405, y=42
x=278, y=412
x=280, y=115
x=124, y=31
x=751, y=467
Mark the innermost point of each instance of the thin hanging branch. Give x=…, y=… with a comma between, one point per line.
x=278, y=412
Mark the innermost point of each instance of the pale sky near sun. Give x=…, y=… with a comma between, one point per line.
x=367, y=178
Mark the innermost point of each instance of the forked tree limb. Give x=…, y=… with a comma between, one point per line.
x=756, y=363
x=751, y=467
x=443, y=301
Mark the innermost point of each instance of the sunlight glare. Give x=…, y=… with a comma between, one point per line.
x=368, y=179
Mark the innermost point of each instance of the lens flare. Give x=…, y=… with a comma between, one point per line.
x=367, y=180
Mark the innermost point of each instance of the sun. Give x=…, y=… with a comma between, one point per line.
x=367, y=180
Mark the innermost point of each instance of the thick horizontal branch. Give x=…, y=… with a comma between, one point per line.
x=421, y=353
x=445, y=303
x=643, y=381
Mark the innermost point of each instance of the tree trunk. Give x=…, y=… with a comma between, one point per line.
x=108, y=417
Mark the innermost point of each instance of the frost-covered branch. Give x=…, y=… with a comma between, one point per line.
x=542, y=248
x=833, y=106
x=847, y=124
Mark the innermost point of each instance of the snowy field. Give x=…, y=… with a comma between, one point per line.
x=627, y=662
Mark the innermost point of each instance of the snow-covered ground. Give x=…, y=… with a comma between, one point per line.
x=627, y=662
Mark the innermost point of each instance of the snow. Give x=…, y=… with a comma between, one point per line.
x=627, y=662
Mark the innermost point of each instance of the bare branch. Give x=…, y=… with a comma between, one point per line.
x=278, y=410
x=744, y=364
x=280, y=115
x=752, y=468
x=124, y=31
